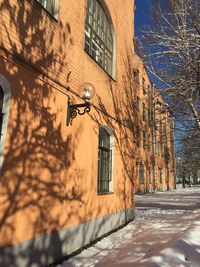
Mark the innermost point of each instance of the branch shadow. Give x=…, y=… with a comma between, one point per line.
x=37, y=184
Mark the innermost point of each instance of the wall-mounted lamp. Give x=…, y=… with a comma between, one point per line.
x=86, y=92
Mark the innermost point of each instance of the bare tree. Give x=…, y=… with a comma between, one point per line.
x=170, y=48
x=191, y=152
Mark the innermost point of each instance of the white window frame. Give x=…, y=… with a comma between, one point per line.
x=110, y=132
x=5, y=110
x=105, y=10
x=55, y=10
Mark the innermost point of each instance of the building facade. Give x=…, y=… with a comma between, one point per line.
x=143, y=169
x=63, y=185
x=164, y=145
x=66, y=178
x=154, y=162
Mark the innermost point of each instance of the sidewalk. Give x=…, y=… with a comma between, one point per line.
x=166, y=233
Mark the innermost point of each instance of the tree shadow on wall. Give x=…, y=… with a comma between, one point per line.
x=122, y=119
x=37, y=183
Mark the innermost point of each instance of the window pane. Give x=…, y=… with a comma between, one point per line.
x=52, y=6
x=56, y=8
x=104, y=161
x=100, y=45
x=141, y=173
x=138, y=104
x=144, y=112
x=161, y=180
x=144, y=139
x=104, y=138
x=138, y=135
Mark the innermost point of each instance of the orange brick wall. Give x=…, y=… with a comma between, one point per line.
x=49, y=176
x=147, y=156
x=143, y=155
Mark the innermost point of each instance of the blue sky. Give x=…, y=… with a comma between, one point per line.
x=142, y=14
x=142, y=18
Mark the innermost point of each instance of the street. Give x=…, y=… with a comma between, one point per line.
x=165, y=232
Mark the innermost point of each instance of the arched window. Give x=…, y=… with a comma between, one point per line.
x=98, y=35
x=105, y=165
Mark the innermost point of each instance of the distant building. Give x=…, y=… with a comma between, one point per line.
x=143, y=171
x=164, y=145
x=154, y=169
x=68, y=179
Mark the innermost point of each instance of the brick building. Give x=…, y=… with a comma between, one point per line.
x=164, y=145
x=154, y=160
x=143, y=87
x=64, y=185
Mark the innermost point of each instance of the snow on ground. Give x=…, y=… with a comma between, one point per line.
x=165, y=233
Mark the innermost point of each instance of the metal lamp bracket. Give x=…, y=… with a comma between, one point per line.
x=77, y=109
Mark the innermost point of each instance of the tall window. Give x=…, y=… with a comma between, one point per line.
x=149, y=115
x=165, y=131
x=138, y=135
x=104, y=161
x=51, y=6
x=161, y=178
x=144, y=112
x=98, y=35
x=149, y=141
x=138, y=103
x=161, y=131
x=141, y=173
x=136, y=79
x=4, y=113
x=167, y=180
x=159, y=148
x=149, y=95
x=144, y=139
x=150, y=174
x=149, y=104
x=1, y=110
x=143, y=86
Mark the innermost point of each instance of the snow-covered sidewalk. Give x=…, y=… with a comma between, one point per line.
x=165, y=232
